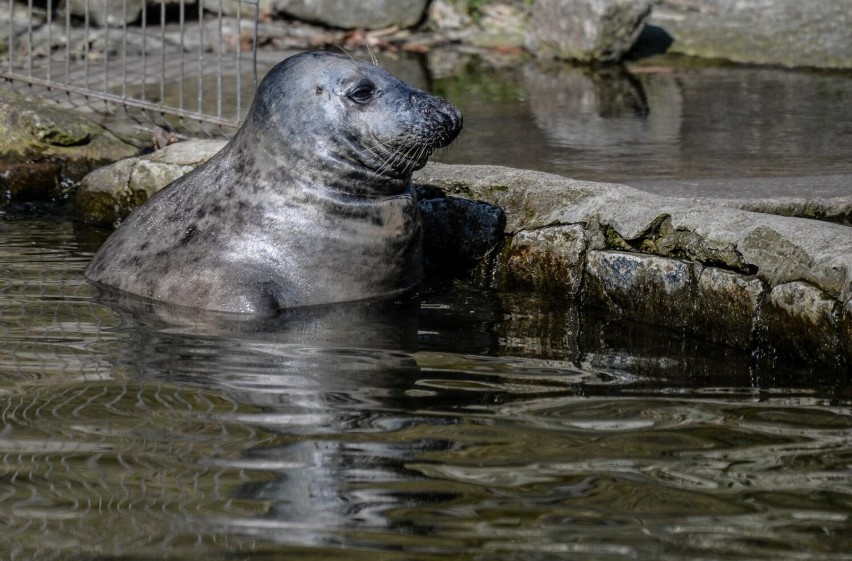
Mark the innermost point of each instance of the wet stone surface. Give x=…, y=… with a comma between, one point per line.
x=802, y=322
x=692, y=266
x=45, y=150
x=549, y=259
x=728, y=306
x=640, y=287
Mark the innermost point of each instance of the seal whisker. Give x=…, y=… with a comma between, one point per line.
x=407, y=159
x=373, y=148
x=393, y=160
x=344, y=51
x=424, y=150
x=372, y=55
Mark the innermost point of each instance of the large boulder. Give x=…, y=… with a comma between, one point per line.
x=782, y=32
x=104, y=12
x=18, y=21
x=368, y=14
x=109, y=194
x=586, y=30
x=237, y=8
x=45, y=150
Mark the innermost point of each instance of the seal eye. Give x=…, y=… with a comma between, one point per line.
x=362, y=92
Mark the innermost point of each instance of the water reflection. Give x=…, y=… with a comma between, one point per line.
x=645, y=122
x=313, y=379
x=461, y=423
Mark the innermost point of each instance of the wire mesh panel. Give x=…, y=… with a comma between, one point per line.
x=185, y=64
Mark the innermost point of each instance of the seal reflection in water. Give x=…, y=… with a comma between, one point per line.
x=310, y=203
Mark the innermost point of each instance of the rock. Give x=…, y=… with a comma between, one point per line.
x=627, y=218
x=641, y=287
x=586, y=30
x=368, y=14
x=846, y=330
x=728, y=306
x=131, y=41
x=500, y=25
x=803, y=322
x=17, y=21
x=823, y=197
x=108, y=195
x=45, y=150
x=672, y=262
x=449, y=15
x=781, y=32
x=457, y=232
x=104, y=12
x=234, y=8
x=545, y=259
x=832, y=209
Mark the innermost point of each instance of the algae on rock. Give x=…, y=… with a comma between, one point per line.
x=45, y=150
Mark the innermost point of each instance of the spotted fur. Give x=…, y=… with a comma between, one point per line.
x=310, y=203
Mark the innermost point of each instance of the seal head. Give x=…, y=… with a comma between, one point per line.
x=310, y=203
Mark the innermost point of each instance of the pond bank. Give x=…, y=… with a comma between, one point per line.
x=776, y=285
x=779, y=286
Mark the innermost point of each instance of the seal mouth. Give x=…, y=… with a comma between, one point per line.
x=401, y=157
x=410, y=151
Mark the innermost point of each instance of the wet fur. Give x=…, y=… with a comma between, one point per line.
x=310, y=203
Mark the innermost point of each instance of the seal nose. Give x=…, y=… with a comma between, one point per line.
x=441, y=112
x=451, y=119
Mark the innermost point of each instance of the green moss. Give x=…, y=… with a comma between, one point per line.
x=499, y=188
x=97, y=208
x=473, y=8
x=614, y=240
x=661, y=238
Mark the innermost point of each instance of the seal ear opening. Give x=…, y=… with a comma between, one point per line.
x=318, y=90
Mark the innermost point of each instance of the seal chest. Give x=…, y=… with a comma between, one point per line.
x=310, y=203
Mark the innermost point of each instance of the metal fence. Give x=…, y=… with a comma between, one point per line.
x=182, y=64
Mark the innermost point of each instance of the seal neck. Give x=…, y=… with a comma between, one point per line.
x=327, y=167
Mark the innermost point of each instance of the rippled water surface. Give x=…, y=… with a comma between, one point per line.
x=460, y=425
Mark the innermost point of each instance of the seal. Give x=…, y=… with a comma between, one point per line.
x=310, y=203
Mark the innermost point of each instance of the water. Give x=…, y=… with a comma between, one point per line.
x=662, y=119
x=658, y=120
x=462, y=424
x=457, y=424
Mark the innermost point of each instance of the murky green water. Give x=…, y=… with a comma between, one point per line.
x=463, y=425
x=661, y=119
